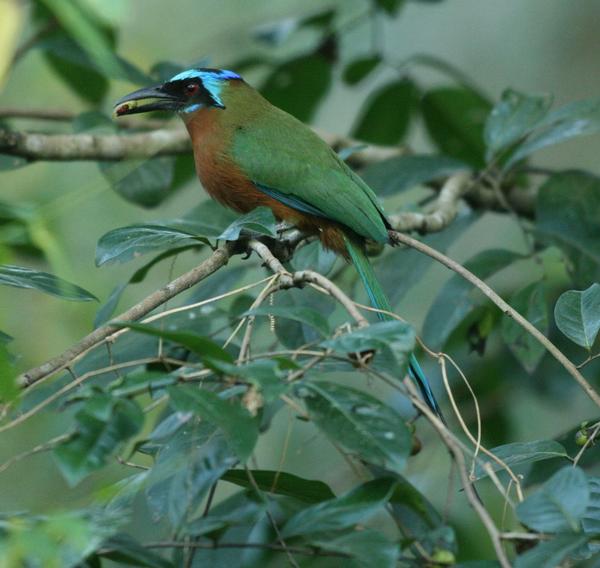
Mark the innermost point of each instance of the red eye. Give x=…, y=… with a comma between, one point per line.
x=191, y=89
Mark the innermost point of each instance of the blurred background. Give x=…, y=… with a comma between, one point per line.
x=539, y=46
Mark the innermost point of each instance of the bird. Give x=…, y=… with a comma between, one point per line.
x=249, y=153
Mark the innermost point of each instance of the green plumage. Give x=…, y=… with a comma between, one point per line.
x=277, y=151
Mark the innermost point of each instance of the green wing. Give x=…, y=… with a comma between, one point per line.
x=281, y=154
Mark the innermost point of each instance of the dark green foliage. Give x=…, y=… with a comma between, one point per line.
x=455, y=119
x=298, y=85
x=568, y=215
x=21, y=277
x=386, y=118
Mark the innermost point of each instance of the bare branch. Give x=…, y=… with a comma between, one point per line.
x=444, y=210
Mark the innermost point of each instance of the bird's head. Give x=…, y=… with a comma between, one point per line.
x=185, y=93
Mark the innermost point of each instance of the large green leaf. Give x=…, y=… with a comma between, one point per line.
x=259, y=221
x=309, y=75
x=146, y=182
x=342, y=512
x=87, y=32
x=520, y=453
x=282, y=483
x=360, y=68
x=559, y=505
x=568, y=215
x=21, y=277
x=393, y=340
x=591, y=519
x=405, y=172
x=187, y=465
x=574, y=119
x=512, y=119
x=530, y=302
x=386, y=116
x=101, y=426
x=209, y=352
x=239, y=427
x=455, y=118
x=391, y=7
x=577, y=315
x=458, y=297
x=551, y=553
x=367, y=548
x=127, y=243
x=359, y=422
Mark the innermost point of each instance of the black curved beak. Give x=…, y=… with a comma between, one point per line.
x=154, y=99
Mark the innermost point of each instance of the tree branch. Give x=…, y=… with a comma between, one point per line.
x=508, y=310
x=218, y=259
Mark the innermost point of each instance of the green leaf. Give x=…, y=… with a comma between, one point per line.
x=268, y=376
x=368, y=548
x=87, y=33
x=310, y=75
x=101, y=426
x=458, y=297
x=239, y=427
x=359, y=422
x=512, y=119
x=127, y=243
x=519, y=453
x=21, y=277
x=314, y=257
x=574, y=119
x=391, y=7
x=549, y=554
x=454, y=119
x=577, y=315
x=568, y=215
x=360, y=68
x=282, y=483
x=209, y=352
x=9, y=390
x=146, y=182
x=301, y=314
x=530, y=302
x=188, y=464
x=559, y=505
x=591, y=519
x=342, y=512
x=259, y=221
x=75, y=67
x=394, y=175
x=385, y=117
x=123, y=549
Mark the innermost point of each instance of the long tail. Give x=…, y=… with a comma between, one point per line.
x=379, y=300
